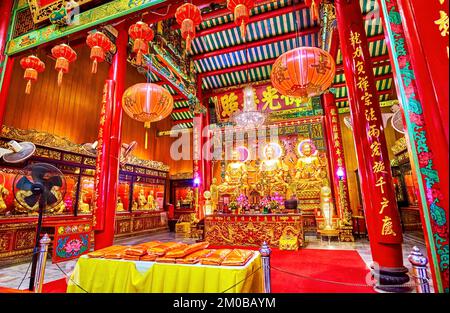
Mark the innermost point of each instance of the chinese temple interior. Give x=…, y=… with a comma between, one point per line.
x=178, y=146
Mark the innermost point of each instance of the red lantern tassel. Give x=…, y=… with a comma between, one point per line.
x=28, y=88
x=243, y=29
x=60, y=77
x=94, y=67
x=139, y=58
x=188, y=43
x=146, y=126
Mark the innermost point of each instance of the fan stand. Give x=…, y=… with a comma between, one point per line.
x=36, y=245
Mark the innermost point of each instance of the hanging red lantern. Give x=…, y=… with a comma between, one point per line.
x=189, y=17
x=303, y=72
x=314, y=8
x=99, y=44
x=64, y=56
x=141, y=34
x=241, y=10
x=32, y=65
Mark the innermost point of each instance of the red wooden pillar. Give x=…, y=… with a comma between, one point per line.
x=380, y=206
x=336, y=154
x=198, y=163
x=418, y=49
x=108, y=161
x=6, y=64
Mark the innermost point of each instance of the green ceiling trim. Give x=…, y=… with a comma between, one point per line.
x=87, y=19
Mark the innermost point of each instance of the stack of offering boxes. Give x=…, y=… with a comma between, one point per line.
x=176, y=252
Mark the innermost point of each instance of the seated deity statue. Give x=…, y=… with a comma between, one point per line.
x=20, y=205
x=272, y=173
x=235, y=181
x=310, y=170
x=142, y=201
x=3, y=194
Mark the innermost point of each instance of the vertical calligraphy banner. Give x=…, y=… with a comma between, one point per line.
x=101, y=164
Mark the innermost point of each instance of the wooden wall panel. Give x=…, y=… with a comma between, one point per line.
x=73, y=110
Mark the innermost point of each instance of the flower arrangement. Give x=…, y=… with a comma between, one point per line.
x=233, y=205
x=242, y=201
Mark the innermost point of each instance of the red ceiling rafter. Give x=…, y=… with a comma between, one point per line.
x=256, y=43
x=180, y=110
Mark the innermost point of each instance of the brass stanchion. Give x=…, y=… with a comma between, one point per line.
x=419, y=264
x=42, y=260
x=265, y=258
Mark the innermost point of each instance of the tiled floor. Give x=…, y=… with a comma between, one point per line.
x=13, y=277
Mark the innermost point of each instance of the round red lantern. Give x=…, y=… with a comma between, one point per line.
x=241, y=10
x=64, y=56
x=147, y=102
x=314, y=8
x=99, y=44
x=189, y=17
x=141, y=34
x=303, y=72
x=32, y=65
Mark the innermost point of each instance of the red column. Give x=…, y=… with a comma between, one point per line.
x=6, y=65
x=109, y=161
x=198, y=163
x=419, y=53
x=383, y=220
x=336, y=154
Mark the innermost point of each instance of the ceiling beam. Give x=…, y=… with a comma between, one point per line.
x=257, y=43
x=253, y=19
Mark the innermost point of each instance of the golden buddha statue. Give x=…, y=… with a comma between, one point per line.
x=310, y=171
x=272, y=173
x=214, y=191
x=119, y=207
x=21, y=206
x=142, y=201
x=3, y=193
x=235, y=181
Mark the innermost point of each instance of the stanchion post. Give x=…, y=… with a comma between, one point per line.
x=42, y=260
x=419, y=264
x=265, y=257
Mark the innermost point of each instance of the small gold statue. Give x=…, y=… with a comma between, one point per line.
x=208, y=206
x=84, y=206
x=142, y=201
x=3, y=194
x=189, y=197
x=151, y=201
x=214, y=191
x=61, y=206
x=119, y=207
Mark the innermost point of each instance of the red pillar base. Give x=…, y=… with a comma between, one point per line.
x=391, y=279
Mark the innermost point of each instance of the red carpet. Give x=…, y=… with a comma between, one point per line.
x=338, y=266
x=56, y=286
x=342, y=267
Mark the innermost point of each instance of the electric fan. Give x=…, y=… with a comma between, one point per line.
x=41, y=184
x=90, y=148
x=397, y=119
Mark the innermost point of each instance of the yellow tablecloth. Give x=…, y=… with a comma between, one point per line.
x=121, y=276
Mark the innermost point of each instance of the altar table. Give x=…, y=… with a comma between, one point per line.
x=122, y=276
